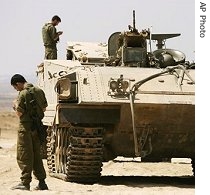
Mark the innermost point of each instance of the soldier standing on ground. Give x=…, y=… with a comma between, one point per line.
x=51, y=37
x=28, y=142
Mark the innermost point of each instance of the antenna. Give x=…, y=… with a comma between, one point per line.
x=134, y=22
x=150, y=38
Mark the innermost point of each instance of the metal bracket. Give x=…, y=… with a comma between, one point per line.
x=145, y=140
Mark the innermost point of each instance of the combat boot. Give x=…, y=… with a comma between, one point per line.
x=21, y=186
x=41, y=186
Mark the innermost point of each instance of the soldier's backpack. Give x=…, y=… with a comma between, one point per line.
x=36, y=103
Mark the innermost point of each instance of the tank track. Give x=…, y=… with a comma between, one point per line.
x=75, y=153
x=85, y=155
x=50, y=151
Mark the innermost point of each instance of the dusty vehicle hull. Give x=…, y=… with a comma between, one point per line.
x=92, y=126
x=169, y=134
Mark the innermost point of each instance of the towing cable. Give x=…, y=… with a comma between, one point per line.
x=132, y=94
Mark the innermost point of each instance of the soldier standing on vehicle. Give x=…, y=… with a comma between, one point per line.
x=28, y=142
x=51, y=37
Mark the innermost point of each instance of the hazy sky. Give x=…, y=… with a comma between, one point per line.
x=86, y=20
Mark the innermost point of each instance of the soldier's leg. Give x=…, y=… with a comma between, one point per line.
x=54, y=54
x=25, y=153
x=50, y=54
x=38, y=167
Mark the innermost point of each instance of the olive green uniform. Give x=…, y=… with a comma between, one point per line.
x=49, y=35
x=28, y=143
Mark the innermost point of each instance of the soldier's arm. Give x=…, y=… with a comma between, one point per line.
x=54, y=34
x=19, y=113
x=20, y=105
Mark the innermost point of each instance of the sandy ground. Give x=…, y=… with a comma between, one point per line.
x=121, y=176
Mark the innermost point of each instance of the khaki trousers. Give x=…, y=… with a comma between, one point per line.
x=28, y=154
x=50, y=53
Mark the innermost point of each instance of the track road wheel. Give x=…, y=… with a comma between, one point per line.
x=84, y=159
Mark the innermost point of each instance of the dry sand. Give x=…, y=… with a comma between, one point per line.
x=121, y=176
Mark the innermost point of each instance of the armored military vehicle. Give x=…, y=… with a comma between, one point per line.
x=117, y=99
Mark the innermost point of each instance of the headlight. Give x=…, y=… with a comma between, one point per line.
x=124, y=85
x=113, y=85
x=118, y=86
